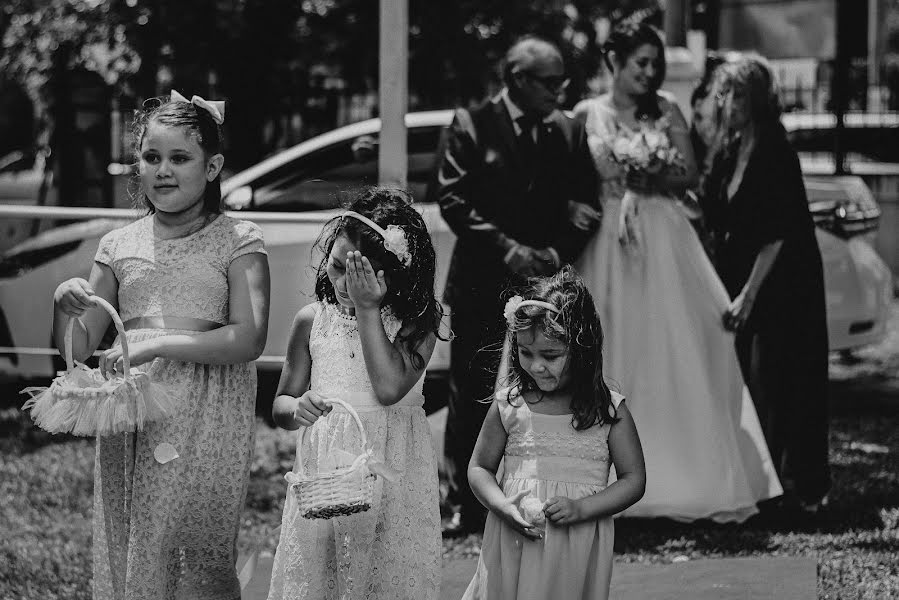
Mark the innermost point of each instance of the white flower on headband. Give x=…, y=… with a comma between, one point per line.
x=394, y=237
x=395, y=241
x=516, y=302
x=511, y=308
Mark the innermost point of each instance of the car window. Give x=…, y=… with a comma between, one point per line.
x=322, y=180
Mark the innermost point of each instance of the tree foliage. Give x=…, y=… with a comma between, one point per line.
x=260, y=54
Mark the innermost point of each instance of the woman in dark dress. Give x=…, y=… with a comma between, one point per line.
x=768, y=258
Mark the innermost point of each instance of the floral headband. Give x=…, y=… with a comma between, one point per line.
x=394, y=237
x=216, y=108
x=517, y=302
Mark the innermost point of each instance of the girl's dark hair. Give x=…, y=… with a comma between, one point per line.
x=196, y=121
x=410, y=292
x=577, y=326
x=624, y=40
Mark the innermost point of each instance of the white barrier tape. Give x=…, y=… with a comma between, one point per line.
x=21, y=211
x=268, y=358
x=38, y=351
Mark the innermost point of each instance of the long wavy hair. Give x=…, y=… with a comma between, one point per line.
x=577, y=326
x=626, y=37
x=195, y=121
x=410, y=293
x=745, y=92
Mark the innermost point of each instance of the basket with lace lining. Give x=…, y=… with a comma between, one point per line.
x=338, y=491
x=83, y=402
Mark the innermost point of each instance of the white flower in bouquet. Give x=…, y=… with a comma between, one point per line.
x=620, y=148
x=639, y=152
x=654, y=139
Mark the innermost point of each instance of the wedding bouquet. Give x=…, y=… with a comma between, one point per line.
x=641, y=153
x=648, y=150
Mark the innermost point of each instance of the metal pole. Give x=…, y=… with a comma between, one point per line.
x=393, y=92
x=840, y=86
x=675, y=23
x=873, y=93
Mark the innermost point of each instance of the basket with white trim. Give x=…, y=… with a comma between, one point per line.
x=333, y=492
x=83, y=402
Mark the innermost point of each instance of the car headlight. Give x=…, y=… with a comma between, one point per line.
x=13, y=265
x=853, y=212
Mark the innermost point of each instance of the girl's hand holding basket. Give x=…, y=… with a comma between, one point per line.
x=74, y=297
x=310, y=407
x=93, y=402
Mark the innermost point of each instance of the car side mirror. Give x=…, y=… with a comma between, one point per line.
x=240, y=199
x=13, y=161
x=365, y=148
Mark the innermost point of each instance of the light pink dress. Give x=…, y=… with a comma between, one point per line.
x=548, y=456
x=165, y=531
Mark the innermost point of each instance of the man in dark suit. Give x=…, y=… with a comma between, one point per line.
x=514, y=178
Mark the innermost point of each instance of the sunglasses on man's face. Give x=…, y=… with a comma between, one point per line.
x=553, y=83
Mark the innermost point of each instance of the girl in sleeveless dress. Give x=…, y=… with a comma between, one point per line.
x=662, y=305
x=367, y=341
x=192, y=288
x=558, y=428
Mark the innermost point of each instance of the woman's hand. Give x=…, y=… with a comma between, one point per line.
x=563, y=511
x=738, y=311
x=310, y=407
x=74, y=296
x=583, y=216
x=507, y=510
x=627, y=219
x=112, y=363
x=365, y=287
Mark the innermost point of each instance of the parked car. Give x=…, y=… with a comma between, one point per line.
x=314, y=176
x=23, y=180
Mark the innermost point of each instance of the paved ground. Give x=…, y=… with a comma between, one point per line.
x=716, y=579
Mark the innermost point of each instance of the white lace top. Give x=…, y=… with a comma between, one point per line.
x=180, y=277
x=338, y=368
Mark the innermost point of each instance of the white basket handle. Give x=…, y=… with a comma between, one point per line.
x=120, y=327
x=298, y=462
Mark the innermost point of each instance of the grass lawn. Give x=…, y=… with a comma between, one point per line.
x=46, y=495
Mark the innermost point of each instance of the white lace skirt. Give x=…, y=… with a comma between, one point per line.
x=169, y=530
x=393, y=550
x=667, y=352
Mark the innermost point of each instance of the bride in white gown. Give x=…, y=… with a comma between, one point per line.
x=661, y=305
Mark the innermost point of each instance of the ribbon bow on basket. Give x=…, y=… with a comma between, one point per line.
x=337, y=489
x=81, y=401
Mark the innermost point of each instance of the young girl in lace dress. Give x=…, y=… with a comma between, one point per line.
x=367, y=341
x=558, y=428
x=192, y=288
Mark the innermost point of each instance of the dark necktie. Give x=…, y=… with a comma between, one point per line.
x=526, y=124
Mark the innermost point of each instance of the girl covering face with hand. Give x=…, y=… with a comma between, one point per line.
x=366, y=341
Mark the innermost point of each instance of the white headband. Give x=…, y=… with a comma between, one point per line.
x=394, y=237
x=517, y=302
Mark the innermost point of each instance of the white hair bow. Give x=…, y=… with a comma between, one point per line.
x=216, y=108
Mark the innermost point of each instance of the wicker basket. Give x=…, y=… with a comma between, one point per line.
x=83, y=402
x=337, y=492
